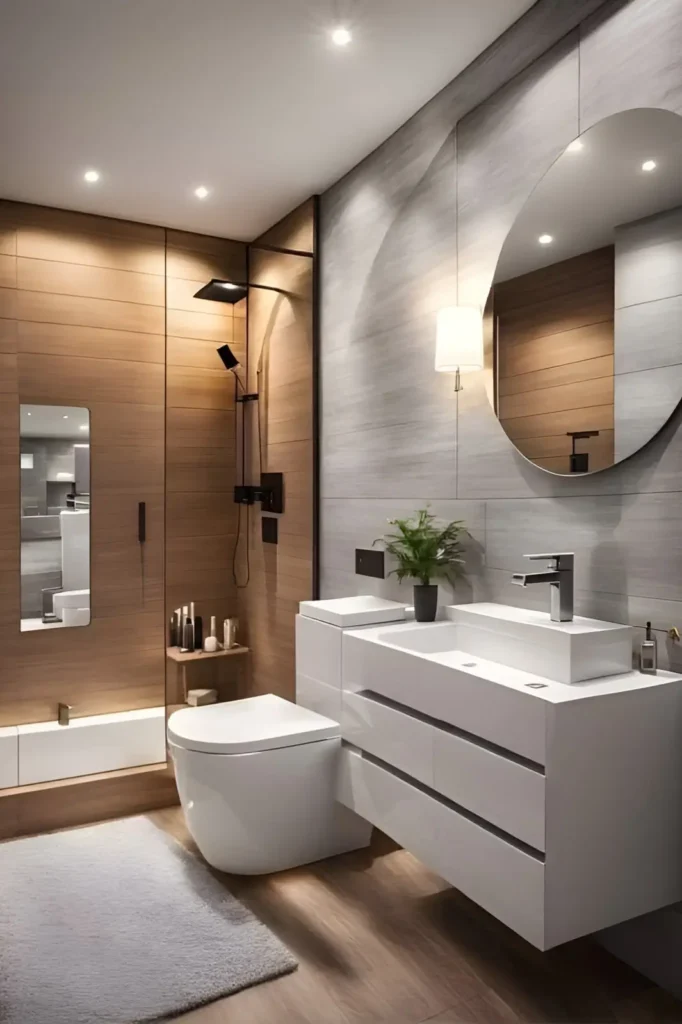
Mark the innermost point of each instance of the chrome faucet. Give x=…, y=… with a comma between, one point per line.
x=559, y=575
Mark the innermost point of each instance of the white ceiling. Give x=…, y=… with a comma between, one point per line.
x=588, y=192
x=246, y=97
x=62, y=421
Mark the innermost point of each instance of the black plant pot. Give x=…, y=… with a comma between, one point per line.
x=425, y=601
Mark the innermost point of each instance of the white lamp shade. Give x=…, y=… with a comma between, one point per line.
x=459, y=339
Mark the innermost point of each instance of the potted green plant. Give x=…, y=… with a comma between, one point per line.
x=426, y=549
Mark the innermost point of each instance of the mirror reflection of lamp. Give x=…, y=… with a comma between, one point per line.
x=459, y=341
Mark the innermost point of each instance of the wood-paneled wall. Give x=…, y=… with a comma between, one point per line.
x=280, y=367
x=200, y=434
x=99, y=313
x=84, y=325
x=555, y=359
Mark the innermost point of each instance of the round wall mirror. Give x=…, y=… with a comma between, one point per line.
x=584, y=318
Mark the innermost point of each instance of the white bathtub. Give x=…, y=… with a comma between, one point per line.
x=44, y=751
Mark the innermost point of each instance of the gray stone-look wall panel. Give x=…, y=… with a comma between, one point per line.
x=648, y=263
x=649, y=335
x=388, y=379
x=392, y=445
x=389, y=462
x=494, y=585
x=624, y=544
x=504, y=148
x=630, y=57
x=355, y=224
x=643, y=401
x=355, y=523
x=648, y=287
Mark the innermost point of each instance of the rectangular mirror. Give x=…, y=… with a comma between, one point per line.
x=55, y=516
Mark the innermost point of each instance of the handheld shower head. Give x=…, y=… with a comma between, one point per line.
x=228, y=357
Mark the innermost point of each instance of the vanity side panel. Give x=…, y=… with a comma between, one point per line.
x=614, y=809
x=318, y=667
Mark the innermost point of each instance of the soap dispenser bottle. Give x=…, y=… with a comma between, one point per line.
x=648, y=653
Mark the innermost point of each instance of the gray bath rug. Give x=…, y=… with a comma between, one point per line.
x=117, y=924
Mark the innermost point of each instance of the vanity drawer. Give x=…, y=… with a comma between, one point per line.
x=498, y=875
x=499, y=714
x=504, y=791
x=500, y=788
x=391, y=735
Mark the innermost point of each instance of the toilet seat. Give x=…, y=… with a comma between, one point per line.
x=246, y=726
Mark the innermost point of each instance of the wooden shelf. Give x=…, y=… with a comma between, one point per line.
x=184, y=656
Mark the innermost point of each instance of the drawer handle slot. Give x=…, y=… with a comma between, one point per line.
x=453, y=730
x=452, y=806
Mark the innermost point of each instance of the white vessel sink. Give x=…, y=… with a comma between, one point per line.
x=565, y=652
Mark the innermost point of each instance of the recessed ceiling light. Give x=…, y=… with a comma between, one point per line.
x=545, y=239
x=341, y=36
x=649, y=165
x=574, y=146
x=65, y=417
x=228, y=284
x=29, y=414
x=91, y=177
x=201, y=192
x=83, y=426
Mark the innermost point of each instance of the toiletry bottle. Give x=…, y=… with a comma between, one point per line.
x=648, y=653
x=211, y=642
x=229, y=633
x=198, y=629
x=188, y=633
x=183, y=635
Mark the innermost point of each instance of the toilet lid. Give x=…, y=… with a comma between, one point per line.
x=243, y=726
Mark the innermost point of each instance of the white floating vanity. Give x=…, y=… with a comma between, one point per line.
x=479, y=744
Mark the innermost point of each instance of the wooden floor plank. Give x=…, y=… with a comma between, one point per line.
x=382, y=940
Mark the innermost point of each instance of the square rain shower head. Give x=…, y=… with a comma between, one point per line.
x=222, y=291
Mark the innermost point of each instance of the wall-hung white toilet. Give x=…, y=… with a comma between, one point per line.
x=257, y=781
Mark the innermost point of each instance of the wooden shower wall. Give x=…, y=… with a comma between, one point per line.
x=98, y=312
x=280, y=367
x=200, y=440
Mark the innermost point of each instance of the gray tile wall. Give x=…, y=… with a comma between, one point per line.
x=648, y=363
x=419, y=224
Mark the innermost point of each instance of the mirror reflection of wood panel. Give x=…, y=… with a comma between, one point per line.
x=555, y=364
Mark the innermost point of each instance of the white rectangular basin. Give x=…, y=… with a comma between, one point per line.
x=565, y=652
x=349, y=612
x=92, y=744
x=9, y=757
x=434, y=638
